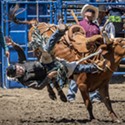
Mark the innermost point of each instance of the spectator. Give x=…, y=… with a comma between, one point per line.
x=89, y=13
x=116, y=12
x=104, y=23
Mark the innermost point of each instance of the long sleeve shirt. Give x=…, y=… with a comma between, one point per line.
x=90, y=28
x=109, y=28
x=35, y=75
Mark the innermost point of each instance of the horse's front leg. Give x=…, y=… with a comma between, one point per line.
x=104, y=92
x=60, y=91
x=52, y=94
x=85, y=95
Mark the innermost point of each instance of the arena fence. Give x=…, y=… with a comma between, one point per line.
x=43, y=11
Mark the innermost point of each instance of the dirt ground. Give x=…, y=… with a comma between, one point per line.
x=33, y=107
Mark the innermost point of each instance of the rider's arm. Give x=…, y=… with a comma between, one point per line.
x=19, y=50
x=2, y=41
x=37, y=84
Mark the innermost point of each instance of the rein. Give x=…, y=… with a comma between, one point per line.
x=108, y=67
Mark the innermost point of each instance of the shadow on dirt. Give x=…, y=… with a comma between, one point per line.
x=70, y=121
x=53, y=120
x=116, y=101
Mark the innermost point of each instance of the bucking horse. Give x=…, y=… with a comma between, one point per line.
x=73, y=46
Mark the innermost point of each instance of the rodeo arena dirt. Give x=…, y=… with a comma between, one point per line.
x=32, y=78
x=33, y=107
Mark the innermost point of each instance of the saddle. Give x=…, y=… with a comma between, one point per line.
x=76, y=37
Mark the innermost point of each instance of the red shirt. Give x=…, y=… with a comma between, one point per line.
x=90, y=28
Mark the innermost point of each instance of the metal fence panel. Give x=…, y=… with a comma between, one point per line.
x=43, y=11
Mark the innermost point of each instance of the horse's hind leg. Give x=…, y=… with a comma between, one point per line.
x=60, y=92
x=104, y=92
x=52, y=94
x=85, y=95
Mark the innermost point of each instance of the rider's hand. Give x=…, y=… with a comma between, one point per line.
x=9, y=41
x=7, y=54
x=52, y=74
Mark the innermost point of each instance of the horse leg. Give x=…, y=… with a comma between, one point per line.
x=52, y=94
x=104, y=92
x=60, y=92
x=85, y=95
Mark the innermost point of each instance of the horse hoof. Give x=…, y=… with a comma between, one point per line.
x=53, y=97
x=92, y=119
x=118, y=121
x=63, y=98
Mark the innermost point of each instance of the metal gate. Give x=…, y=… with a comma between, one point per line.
x=43, y=11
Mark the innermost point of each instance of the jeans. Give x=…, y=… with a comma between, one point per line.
x=87, y=68
x=75, y=68
x=55, y=37
x=73, y=90
x=94, y=95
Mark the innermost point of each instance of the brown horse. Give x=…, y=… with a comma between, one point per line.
x=88, y=82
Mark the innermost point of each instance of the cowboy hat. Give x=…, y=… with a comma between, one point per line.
x=102, y=8
x=90, y=7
